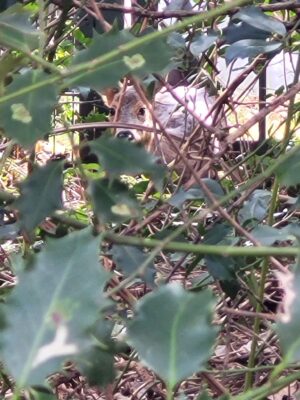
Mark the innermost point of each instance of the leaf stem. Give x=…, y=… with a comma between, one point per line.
x=232, y=251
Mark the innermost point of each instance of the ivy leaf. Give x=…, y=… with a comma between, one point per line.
x=40, y=195
x=267, y=235
x=256, y=18
x=172, y=332
x=119, y=156
x=26, y=118
x=196, y=193
x=50, y=311
x=202, y=43
x=140, y=61
x=100, y=368
x=250, y=48
x=288, y=171
x=129, y=259
x=241, y=30
x=16, y=31
x=113, y=201
x=219, y=267
x=256, y=207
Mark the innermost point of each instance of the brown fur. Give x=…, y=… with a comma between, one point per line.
x=128, y=108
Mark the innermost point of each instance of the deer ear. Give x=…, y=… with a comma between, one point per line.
x=110, y=94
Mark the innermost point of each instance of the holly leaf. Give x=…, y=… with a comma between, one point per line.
x=172, y=332
x=27, y=117
x=40, y=195
x=113, y=201
x=120, y=157
x=139, y=62
x=57, y=300
x=16, y=30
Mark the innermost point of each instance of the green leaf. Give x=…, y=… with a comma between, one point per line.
x=288, y=171
x=256, y=18
x=288, y=326
x=196, y=193
x=129, y=259
x=119, y=156
x=220, y=233
x=256, y=207
x=16, y=31
x=250, y=48
x=139, y=62
x=202, y=43
x=172, y=332
x=113, y=201
x=221, y=268
x=98, y=363
x=51, y=309
x=267, y=235
x=40, y=195
x=235, y=32
x=27, y=118
x=40, y=395
x=176, y=40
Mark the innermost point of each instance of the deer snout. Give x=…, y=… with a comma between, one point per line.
x=128, y=135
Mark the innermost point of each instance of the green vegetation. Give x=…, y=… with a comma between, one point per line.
x=123, y=279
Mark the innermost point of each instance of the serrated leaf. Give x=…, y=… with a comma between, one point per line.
x=255, y=17
x=256, y=207
x=250, y=48
x=51, y=309
x=40, y=195
x=113, y=201
x=138, y=62
x=172, y=332
x=27, y=118
x=196, y=193
x=288, y=326
x=16, y=31
x=202, y=43
x=120, y=157
x=129, y=259
x=288, y=171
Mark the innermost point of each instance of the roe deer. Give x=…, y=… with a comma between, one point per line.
x=184, y=123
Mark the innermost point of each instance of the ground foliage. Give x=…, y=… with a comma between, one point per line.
x=118, y=280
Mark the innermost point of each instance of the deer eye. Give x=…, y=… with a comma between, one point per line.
x=142, y=111
x=112, y=111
